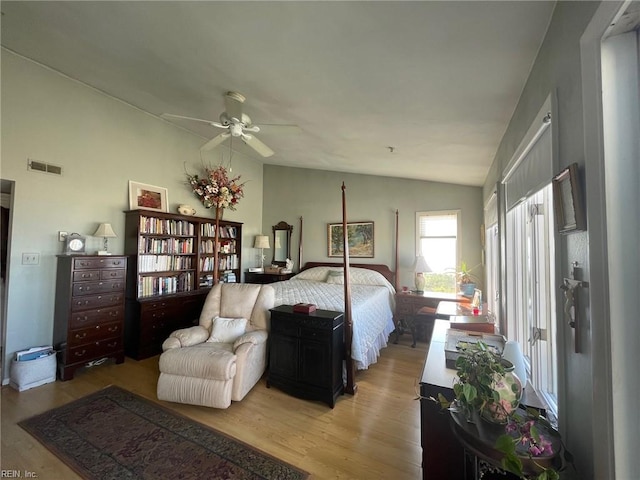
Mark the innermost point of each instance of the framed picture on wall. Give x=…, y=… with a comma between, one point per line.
x=567, y=200
x=359, y=237
x=147, y=197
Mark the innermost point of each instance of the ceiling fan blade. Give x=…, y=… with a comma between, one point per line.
x=279, y=128
x=257, y=145
x=182, y=117
x=215, y=141
x=233, y=105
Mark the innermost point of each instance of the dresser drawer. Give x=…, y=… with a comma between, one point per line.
x=93, y=350
x=98, y=263
x=93, y=333
x=95, y=275
x=147, y=307
x=97, y=316
x=86, y=275
x=285, y=326
x=87, y=288
x=87, y=302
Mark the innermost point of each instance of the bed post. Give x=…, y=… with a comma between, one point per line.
x=300, y=248
x=351, y=386
x=397, y=269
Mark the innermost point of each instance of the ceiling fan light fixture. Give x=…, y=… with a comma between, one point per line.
x=235, y=129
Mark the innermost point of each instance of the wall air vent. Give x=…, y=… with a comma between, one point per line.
x=37, y=166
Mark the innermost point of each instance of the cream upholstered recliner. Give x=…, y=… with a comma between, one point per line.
x=223, y=357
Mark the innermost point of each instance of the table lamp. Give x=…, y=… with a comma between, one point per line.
x=420, y=267
x=261, y=242
x=105, y=231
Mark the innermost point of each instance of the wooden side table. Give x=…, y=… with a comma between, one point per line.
x=263, y=277
x=416, y=310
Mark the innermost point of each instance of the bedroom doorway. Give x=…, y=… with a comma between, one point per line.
x=6, y=200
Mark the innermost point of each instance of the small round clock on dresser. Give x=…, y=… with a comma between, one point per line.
x=74, y=243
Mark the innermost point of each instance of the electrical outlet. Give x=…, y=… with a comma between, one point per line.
x=30, y=258
x=62, y=236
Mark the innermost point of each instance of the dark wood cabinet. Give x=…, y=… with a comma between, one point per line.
x=150, y=321
x=306, y=353
x=89, y=311
x=263, y=277
x=171, y=273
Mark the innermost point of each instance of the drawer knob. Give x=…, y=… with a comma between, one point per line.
x=79, y=354
x=81, y=336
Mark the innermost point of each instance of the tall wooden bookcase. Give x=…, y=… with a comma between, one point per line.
x=170, y=272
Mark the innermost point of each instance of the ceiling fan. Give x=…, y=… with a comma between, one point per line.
x=237, y=123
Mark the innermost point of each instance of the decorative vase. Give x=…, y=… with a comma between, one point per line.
x=509, y=389
x=186, y=210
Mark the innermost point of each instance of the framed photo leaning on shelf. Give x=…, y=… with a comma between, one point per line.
x=147, y=197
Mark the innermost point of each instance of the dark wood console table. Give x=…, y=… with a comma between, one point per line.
x=443, y=453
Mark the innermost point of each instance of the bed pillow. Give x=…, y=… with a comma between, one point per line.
x=335, y=277
x=227, y=330
x=317, y=274
x=364, y=276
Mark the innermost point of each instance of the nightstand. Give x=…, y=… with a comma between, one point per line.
x=306, y=353
x=262, y=277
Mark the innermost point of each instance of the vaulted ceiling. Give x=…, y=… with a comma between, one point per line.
x=415, y=89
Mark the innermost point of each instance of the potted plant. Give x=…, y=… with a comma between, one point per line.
x=466, y=280
x=487, y=395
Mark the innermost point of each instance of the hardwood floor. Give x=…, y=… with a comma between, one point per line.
x=374, y=434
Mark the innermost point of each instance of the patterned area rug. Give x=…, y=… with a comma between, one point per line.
x=115, y=434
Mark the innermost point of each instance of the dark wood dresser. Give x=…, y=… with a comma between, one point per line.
x=89, y=311
x=306, y=353
x=264, y=277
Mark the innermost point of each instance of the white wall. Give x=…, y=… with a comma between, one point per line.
x=316, y=195
x=101, y=143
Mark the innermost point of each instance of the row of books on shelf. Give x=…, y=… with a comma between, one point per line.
x=163, y=263
x=165, y=245
x=228, y=277
x=148, y=286
x=224, y=263
x=208, y=246
x=166, y=226
x=225, y=277
x=226, y=231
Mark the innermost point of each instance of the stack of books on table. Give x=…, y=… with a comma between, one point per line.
x=34, y=353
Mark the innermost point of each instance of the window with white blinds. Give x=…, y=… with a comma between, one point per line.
x=437, y=242
x=529, y=257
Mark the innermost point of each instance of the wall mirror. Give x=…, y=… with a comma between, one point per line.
x=281, y=243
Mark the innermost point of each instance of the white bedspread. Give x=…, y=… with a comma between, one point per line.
x=371, y=310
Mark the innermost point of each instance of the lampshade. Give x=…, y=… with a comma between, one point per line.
x=105, y=231
x=421, y=266
x=261, y=241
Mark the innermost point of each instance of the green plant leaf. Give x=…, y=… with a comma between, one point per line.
x=505, y=444
x=470, y=392
x=512, y=463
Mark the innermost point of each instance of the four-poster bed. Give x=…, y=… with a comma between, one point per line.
x=364, y=292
